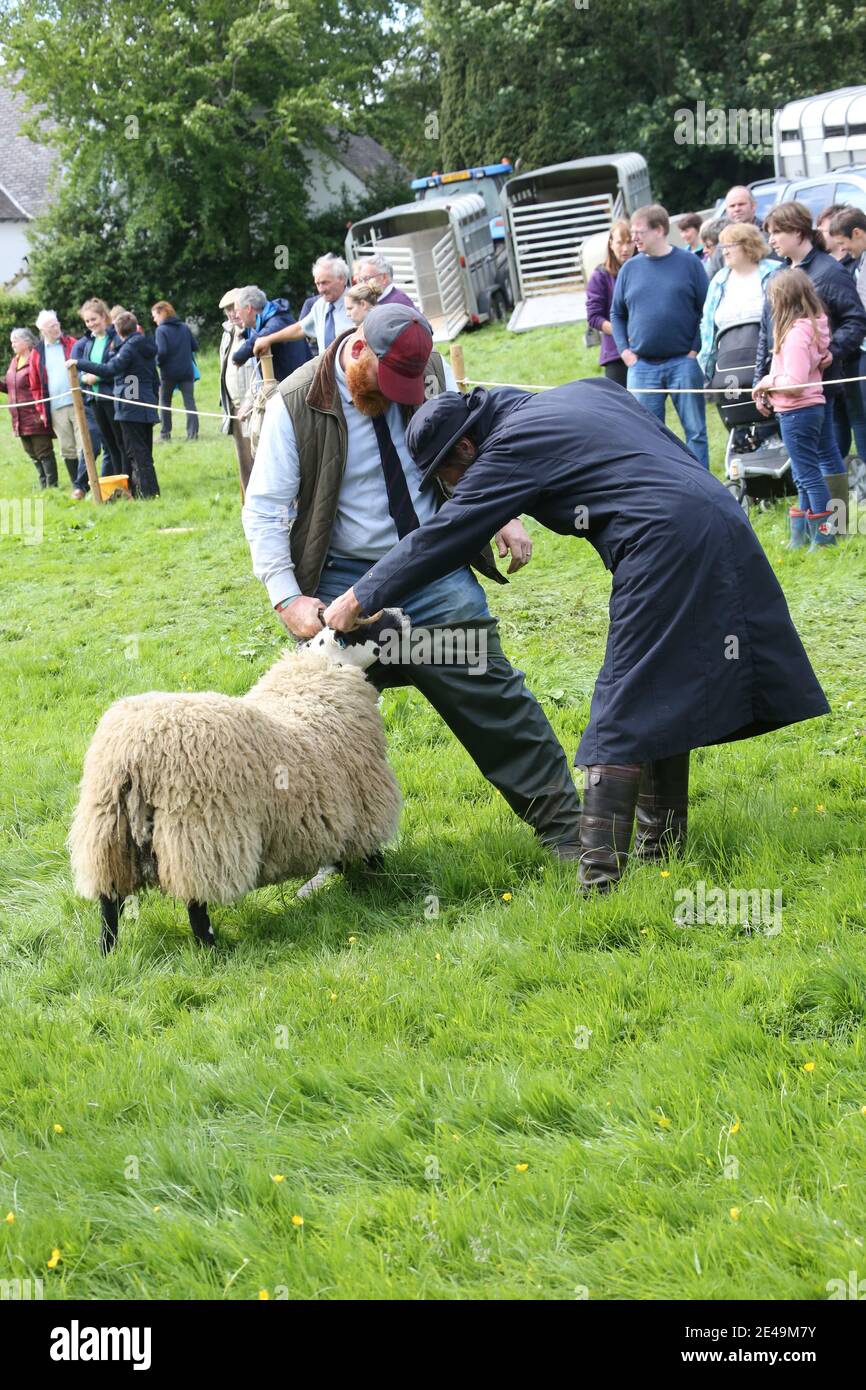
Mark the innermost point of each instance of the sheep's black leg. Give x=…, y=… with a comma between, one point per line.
x=200, y=922
x=375, y=861
x=111, y=910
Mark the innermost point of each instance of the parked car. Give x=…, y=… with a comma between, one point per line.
x=843, y=185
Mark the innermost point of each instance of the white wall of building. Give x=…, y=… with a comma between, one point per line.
x=14, y=249
x=329, y=180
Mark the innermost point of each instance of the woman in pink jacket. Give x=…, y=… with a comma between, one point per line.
x=800, y=338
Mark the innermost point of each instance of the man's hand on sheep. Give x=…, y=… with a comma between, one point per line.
x=344, y=613
x=516, y=538
x=303, y=616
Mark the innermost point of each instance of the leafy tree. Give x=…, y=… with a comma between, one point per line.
x=181, y=131
x=549, y=80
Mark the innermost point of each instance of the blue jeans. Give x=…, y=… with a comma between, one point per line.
x=456, y=598
x=802, y=432
x=674, y=375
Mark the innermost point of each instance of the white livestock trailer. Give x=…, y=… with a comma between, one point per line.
x=444, y=258
x=814, y=135
x=548, y=214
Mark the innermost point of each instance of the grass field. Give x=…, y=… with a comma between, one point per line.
x=525, y=1096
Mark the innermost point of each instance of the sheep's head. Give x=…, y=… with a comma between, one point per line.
x=362, y=647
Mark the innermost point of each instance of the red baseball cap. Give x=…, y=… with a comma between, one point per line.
x=402, y=339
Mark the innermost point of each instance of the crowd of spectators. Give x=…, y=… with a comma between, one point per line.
x=129, y=377
x=660, y=310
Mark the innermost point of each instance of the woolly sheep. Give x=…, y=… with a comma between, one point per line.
x=208, y=796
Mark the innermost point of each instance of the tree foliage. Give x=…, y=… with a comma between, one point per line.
x=549, y=80
x=181, y=130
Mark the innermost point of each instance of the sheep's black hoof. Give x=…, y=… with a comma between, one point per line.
x=111, y=908
x=200, y=923
x=374, y=862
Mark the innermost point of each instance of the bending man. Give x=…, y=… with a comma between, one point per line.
x=701, y=648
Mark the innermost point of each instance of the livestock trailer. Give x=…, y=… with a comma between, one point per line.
x=444, y=258
x=815, y=134
x=548, y=214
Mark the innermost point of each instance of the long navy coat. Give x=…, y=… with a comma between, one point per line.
x=701, y=648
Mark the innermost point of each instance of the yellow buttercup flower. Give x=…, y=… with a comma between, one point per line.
x=297, y=1221
x=278, y=1177
x=506, y=897
x=263, y=1294
x=58, y=1129
x=794, y=810
x=438, y=957
x=333, y=997
x=809, y=1066
x=521, y=1167
x=352, y=940
x=56, y=1257
x=820, y=806
x=735, y=1213
x=734, y=1129
x=663, y=1121
x=10, y=1217
x=665, y=873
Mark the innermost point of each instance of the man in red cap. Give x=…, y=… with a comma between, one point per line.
x=333, y=490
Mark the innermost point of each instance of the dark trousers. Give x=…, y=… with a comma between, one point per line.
x=616, y=371
x=40, y=448
x=849, y=410
x=112, y=441
x=138, y=443
x=503, y=729
x=187, y=391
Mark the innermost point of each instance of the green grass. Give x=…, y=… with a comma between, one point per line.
x=397, y=1080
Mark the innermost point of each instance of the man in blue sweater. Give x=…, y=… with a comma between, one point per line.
x=656, y=321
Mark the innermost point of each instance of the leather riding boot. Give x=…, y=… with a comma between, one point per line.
x=662, y=807
x=609, y=799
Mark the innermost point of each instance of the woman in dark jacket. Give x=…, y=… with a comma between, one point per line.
x=791, y=235
x=132, y=368
x=599, y=297
x=36, y=437
x=175, y=345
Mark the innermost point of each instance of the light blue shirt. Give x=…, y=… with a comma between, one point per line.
x=314, y=324
x=58, y=377
x=363, y=527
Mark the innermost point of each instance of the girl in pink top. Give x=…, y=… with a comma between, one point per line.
x=800, y=339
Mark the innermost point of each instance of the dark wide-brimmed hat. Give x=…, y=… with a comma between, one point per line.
x=434, y=429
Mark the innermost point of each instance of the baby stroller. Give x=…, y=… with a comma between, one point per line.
x=757, y=466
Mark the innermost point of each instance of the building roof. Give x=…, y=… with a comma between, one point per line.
x=26, y=167
x=361, y=154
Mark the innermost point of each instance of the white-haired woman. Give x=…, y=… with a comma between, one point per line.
x=27, y=423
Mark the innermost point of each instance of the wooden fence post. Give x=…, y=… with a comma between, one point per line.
x=267, y=361
x=458, y=366
x=84, y=431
